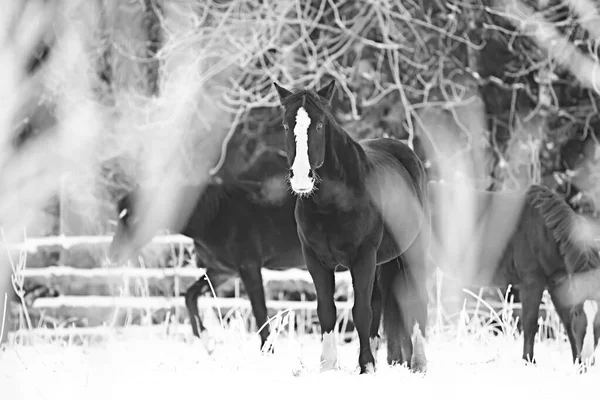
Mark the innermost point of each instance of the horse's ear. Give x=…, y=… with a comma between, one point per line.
x=283, y=92
x=327, y=92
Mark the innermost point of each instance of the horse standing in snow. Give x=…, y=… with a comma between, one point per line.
x=361, y=206
x=530, y=239
x=238, y=227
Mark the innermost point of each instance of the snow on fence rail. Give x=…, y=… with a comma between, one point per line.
x=156, y=303
x=32, y=244
x=294, y=273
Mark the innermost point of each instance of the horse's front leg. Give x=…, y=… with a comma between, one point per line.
x=531, y=298
x=324, y=281
x=363, y=278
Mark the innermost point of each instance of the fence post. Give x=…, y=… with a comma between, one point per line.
x=61, y=214
x=176, y=278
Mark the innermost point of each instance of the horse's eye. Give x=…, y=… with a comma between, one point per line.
x=286, y=127
x=319, y=126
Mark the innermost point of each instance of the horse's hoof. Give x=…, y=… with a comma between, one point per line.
x=329, y=359
x=530, y=363
x=418, y=360
x=368, y=369
x=329, y=365
x=209, y=343
x=418, y=368
x=267, y=349
x=583, y=366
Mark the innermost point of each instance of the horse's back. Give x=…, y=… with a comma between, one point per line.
x=396, y=155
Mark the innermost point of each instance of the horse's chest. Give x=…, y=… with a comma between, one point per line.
x=335, y=237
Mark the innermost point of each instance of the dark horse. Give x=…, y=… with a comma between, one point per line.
x=531, y=239
x=360, y=205
x=238, y=227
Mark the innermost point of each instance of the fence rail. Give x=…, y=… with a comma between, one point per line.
x=33, y=244
x=104, y=304
x=155, y=303
x=70, y=277
x=295, y=273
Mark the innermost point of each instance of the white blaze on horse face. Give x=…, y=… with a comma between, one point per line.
x=329, y=358
x=301, y=181
x=590, y=308
x=123, y=213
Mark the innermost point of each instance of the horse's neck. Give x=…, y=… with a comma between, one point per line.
x=206, y=210
x=345, y=159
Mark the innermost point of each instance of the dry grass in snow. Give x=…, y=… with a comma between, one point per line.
x=151, y=367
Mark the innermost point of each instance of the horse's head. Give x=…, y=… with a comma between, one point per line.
x=585, y=328
x=306, y=117
x=129, y=238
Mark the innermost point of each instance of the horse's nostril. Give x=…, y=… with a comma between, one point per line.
x=291, y=173
x=310, y=173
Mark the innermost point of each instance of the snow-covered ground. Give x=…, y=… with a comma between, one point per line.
x=149, y=367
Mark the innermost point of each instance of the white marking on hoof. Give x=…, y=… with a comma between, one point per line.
x=208, y=342
x=329, y=358
x=301, y=182
x=375, y=343
x=370, y=368
x=590, y=308
x=418, y=361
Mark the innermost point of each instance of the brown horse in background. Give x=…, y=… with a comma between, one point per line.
x=238, y=226
x=528, y=239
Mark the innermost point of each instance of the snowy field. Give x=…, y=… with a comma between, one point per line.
x=150, y=367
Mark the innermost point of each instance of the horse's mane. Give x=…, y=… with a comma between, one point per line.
x=215, y=196
x=562, y=221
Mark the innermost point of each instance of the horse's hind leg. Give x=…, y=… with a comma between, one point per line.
x=531, y=298
x=410, y=289
x=191, y=303
x=376, y=305
x=251, y=275
x=396, y=334
x=565, y=317
x=198, y=288
x=363, y=278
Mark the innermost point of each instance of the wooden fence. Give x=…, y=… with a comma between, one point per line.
x=97, y=310
x=79, y=303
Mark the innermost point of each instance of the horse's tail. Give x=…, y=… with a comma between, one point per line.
x=579, y=253
x=402, y=311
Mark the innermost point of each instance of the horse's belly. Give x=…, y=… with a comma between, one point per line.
x=286, y=260
x=215, y=257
